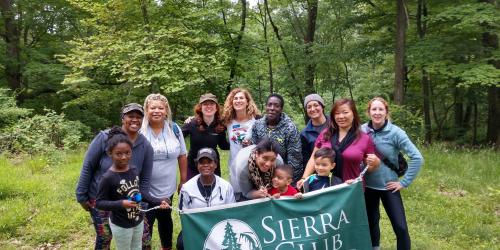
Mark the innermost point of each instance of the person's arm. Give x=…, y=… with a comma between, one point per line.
x=186, y=128
x=230, y=195
x=222, y=141
x=372, y=161
x=294, y=155
x=103, y=201
x=416, y=159
x=90, y=165
x=255, y=137
x=146, y=170
x=183, y=162
x=309, y=170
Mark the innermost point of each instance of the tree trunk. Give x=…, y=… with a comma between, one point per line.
x=399, y=58
x=425, y=81
x=312, y=13
x=458, y=108
x=295, y=91
x=492, y=134
x=237, y=45
x=263, y=17
x=10, y=35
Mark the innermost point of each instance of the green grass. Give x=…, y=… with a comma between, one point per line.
x=453, y=204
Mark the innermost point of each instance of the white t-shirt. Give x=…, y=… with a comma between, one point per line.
x=166, y=148
x=237, y=132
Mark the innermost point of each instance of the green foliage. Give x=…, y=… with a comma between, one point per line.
x=10, y=112
x=410, y=121
x=43, y=134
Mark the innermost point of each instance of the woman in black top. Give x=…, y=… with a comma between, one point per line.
x=205, y=131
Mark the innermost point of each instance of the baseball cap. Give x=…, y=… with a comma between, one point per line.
x=208, y=97
x=208, y=153
x=132, y=107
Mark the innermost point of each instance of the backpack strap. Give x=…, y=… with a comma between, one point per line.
x=176, y=130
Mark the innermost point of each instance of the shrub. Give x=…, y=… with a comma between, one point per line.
x=43, y=134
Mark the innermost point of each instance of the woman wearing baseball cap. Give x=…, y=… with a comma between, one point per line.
x=206, y=130
x=97, y=162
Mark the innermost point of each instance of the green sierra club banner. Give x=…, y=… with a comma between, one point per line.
x=331, y=218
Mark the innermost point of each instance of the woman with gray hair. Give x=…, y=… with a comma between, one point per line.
x=169, y=150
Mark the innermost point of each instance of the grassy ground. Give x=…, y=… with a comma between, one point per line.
x=453, y=204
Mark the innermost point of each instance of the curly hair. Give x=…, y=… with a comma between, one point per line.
x=198, y=116
x=333, y=126
x=229, y=113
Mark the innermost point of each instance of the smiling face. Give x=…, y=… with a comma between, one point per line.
x=344, y=116
x=208, y=108
x=323, y=166
x=121, y=154
x=314, y=110
x=281, y=179
x=274, y=107
x=377, y=113
x=131, y=122
x=157, y=111
x=266, y=161
x=240, y=101
x=206, y=166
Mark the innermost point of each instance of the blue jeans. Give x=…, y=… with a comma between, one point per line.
x=393, y=205
x=127, y=238
x=100, y=219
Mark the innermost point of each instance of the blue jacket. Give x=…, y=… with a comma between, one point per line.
x=97, y=162
x=389, y=142
x=308, y=137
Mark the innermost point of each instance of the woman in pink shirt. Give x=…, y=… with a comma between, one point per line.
x=351, y=146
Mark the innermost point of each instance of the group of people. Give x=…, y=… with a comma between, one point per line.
x=129, y=174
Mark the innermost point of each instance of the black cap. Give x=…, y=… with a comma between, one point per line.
x=208, y=153
x=132, y=107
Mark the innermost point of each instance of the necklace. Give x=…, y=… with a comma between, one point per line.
x=207, y=190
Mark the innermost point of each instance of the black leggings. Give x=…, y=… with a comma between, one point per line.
x=393, y=205
x=165, y=227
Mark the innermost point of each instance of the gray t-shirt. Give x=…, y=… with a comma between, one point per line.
x=167, y=148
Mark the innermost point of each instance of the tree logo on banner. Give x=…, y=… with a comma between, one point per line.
x=232, y=235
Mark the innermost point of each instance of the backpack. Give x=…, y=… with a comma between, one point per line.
x=402, y=166
x=176, y=130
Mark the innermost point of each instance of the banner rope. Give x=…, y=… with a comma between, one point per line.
x=360, y=177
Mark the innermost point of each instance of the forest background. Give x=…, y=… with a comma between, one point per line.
x=67, y=66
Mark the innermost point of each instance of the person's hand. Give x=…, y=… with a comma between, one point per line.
x=276, y=196
x=299, y=196
x=129, y=204
x=394, y=186
x=189, y=119
x=300, y=183
x=349, y=182
x=246, y=142
x=164, y=205
x=86, y=205
x=261, y=193
x=372, y=161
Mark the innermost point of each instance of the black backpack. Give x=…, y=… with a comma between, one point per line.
x=402, y=166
